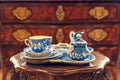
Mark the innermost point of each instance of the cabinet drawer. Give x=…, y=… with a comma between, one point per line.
x=94, y=34
x=60, y=13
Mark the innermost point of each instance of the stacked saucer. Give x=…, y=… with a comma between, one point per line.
x=31, y=53
x=39, y=57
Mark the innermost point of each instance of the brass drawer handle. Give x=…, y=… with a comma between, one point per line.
x=98, y=34
x=60, y=13
x=98, y=12
x=59, y=35
x=21, y=13
x=21, y=34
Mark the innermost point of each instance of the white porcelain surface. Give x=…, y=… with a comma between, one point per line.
x=57, y=54
x=50, y=55
x=67, y=60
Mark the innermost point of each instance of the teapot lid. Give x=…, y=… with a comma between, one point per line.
x=78, y=37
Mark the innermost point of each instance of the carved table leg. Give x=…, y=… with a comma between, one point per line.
x=15, y=75
x=106, y=74
x=22, y=76
x=93, y=76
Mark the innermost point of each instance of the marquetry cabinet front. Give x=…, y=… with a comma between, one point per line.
x=99, y=21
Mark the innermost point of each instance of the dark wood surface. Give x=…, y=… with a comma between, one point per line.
x=59, y=71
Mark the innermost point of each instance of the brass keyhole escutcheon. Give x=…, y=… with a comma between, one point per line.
x=60, y=13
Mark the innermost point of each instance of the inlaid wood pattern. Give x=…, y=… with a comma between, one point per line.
x=70, y=13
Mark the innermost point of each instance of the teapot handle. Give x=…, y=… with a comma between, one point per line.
x=71, y=35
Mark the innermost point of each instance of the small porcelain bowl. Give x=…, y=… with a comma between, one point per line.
x=62, y=47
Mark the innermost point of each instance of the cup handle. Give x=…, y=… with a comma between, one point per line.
x=71, y=35
x=27, y=42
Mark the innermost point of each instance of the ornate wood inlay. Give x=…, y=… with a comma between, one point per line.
x=98, y=34
x=60, y=35
x=60, y=13
x=21, y=34
x=21, y=13
x=99, y=12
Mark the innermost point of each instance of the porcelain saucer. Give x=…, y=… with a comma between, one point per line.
x=36, y=54
x=50, y=55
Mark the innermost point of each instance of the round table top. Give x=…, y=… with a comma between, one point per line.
x=61, y=69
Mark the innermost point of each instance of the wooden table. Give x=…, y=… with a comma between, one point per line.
x=91, y=71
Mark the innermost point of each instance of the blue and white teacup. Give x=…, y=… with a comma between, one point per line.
x=36, y=43
x=48, y=42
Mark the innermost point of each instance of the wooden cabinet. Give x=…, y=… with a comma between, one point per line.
x=21, y=19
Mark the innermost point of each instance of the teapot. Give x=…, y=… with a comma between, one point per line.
x=79, y=50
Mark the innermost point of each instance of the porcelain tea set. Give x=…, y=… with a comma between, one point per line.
x=40, y=49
